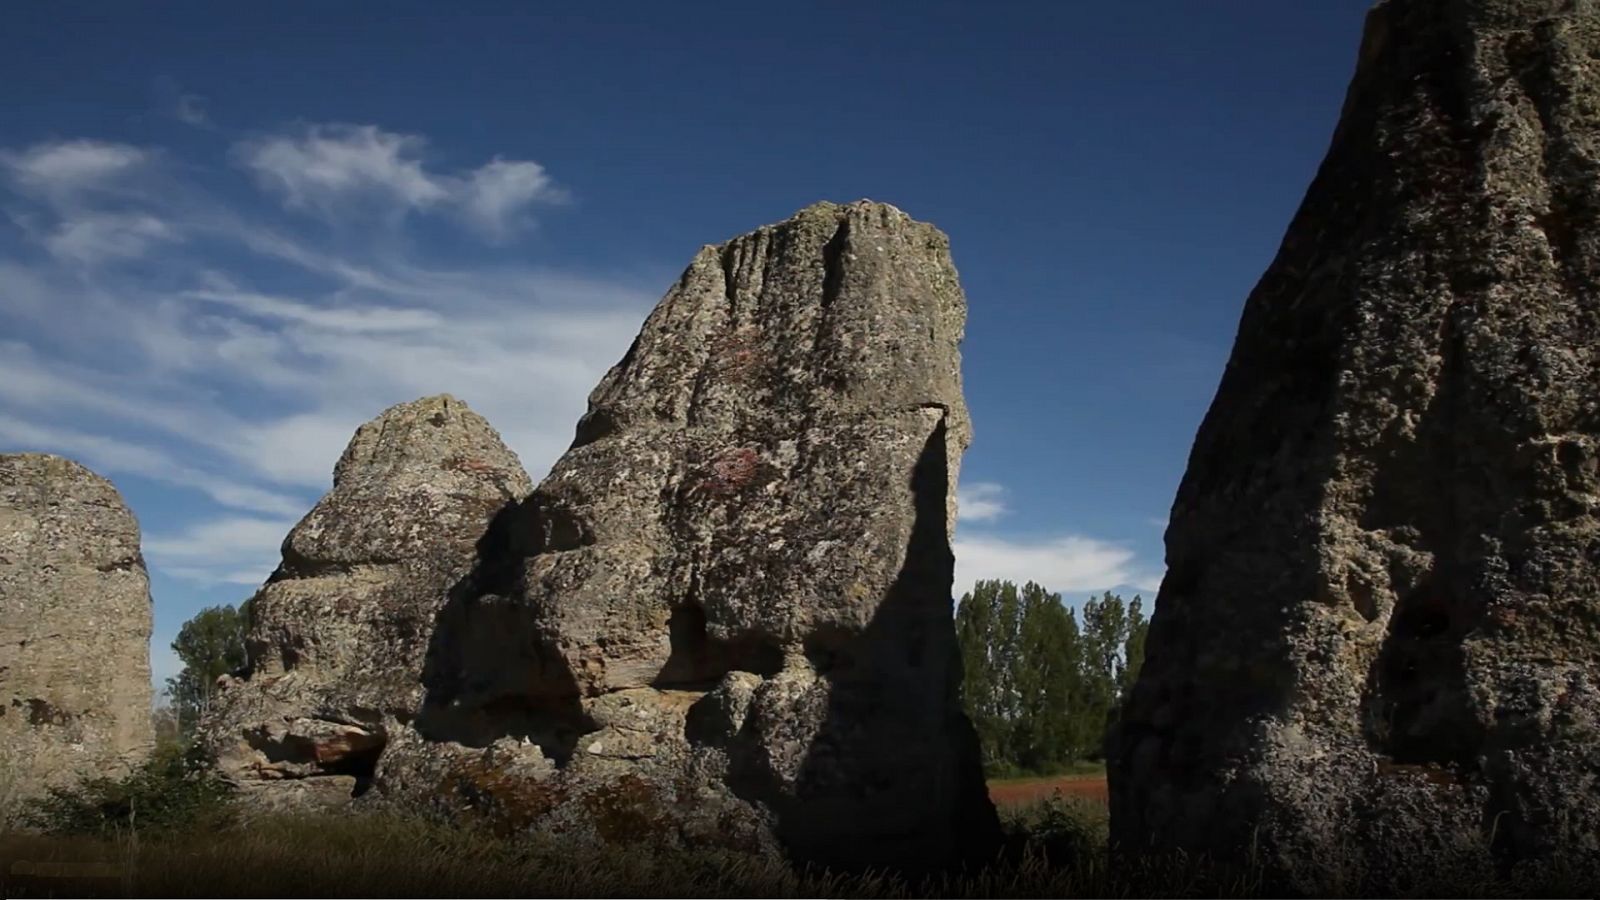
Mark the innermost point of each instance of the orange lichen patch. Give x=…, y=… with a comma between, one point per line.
x=470, y=464
x=344, y=746
x=730, y=472
x=508, y=803
x=627, y=811
x=1432, y=774
x=735, y=352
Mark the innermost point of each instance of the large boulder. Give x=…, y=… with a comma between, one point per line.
x=74, y=629
x=339, y=632
x=1376, y=653
x=725, y=616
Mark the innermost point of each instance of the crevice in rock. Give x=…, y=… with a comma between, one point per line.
x=697, y=661
x=43, y=712
x=133, y=563
x=833, y=263
x=361, y=764
x=1417, y=710
x=297, y=565
x=553, y=529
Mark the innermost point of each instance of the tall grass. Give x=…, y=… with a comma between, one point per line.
x=1056, y=848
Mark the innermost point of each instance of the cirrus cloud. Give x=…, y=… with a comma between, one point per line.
x=340, y=170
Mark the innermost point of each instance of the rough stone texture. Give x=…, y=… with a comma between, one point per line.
x=339, y=632
x=74, y=628
x=1375, y=651
x=725, y=616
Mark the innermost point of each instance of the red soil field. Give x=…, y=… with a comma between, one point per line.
x=1016, y=792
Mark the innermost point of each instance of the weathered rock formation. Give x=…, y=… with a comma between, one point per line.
x=725, y=616
x=339, y=632
x=1377, y=648
x=74, y=628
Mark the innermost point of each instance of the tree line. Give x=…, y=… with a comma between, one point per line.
x=1042, y=684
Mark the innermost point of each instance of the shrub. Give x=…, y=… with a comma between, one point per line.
x=175, y=790
x=1064, y=829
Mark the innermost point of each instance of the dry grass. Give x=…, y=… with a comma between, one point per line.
x=10, y=788
x=387, y=855
x=1057, y=850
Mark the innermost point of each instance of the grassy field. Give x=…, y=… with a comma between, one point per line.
x=1056, y=850
x=1056, y=847
x=1009, y=793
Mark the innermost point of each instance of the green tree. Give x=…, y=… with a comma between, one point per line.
x=979, y=683
x=1105, y=632
x=1046, y=678
x=1042, y=683
x=209, y=645
x=1133, y=647
x=986, y=626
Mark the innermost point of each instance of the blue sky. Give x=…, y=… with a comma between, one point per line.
x=228, y=236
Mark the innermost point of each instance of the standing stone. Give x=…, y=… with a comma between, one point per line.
x=1376, y=653
x=725, y=616
x=339, y=632
x=74, y=629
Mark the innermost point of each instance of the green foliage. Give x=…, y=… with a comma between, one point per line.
x=1065, y=829
x=210, y=645
x=1041, y=684
x=175, y=791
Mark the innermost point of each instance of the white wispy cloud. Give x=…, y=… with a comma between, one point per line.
x=329, y=164
x=117, y=456
x=227, y=550
x=1066, y=564
x=379, y=319
x=496, y=197
x=100, y=238
x=66, y=166
x=982, y=501
x=335, y=170
x=186, y=370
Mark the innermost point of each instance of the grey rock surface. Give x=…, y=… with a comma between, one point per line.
x=725, y=615
x=75, y=623
x=1376, y=652
x=339, y=632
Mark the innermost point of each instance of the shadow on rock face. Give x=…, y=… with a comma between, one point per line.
x=871, y=776
x=487, y=675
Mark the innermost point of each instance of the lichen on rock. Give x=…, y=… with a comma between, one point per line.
x=339, y=633
x=730, y=599
x=75, y=621
x=1374, y=654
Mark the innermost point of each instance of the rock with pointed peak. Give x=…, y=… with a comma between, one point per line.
x=340, y=631
x=1376, y=653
